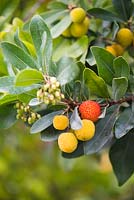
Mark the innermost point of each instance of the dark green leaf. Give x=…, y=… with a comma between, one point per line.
x=28, y=77
x=124, y=123
x=104, y=14
x=50, y=134
x=119, y=87
x=75, y=120
x=44, y=122
x=121, y=67
x=7, y=116
x=17, y=56
x=42, y=41
x=124, y=8
x=104, y=61
x=103, y=132
x=95, y=84
x=122, y=157
x=77, y=153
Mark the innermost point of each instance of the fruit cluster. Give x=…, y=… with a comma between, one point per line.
x=124, y=39
x=50, y=92
x=80, y=23
x=25, y=113
x=68, y=140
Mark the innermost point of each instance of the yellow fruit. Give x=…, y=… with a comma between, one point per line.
x=124, y=37
x=86, y=22
x=60, y=122
x=118, y=48
x=78, y=29
x=87, y=131
x=67, y=32
x=111, y=50
x=77, y=15
x=67, y=142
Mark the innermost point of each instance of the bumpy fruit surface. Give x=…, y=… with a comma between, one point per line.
x=124, y=37
x=67, y=142
x=77, y=15
x=78, y=29
x=86, y=22
x=111, y=50
x=118, y=49
x=87, y=131
x=60, y=122
x=90, y=110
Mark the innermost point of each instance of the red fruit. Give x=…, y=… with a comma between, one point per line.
x=90, y=110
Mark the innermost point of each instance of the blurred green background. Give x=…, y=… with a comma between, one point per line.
x=32, y=169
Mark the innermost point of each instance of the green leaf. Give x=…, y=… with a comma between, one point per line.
x=57, y=29
x=95, y=84
x=115, y=30
x=7, y=116
x=124, y=8
x=104, y=14
x=103, y=132
x=9, y=98
x=19, y=42
x=28, y=77
x=50, y=134
x=121, y=67
x=104, y=61
x=44, y=122
x=5, y=83
x=124, y=123
x=17, y=56
x=70, y=48
x=42, y=41
x=75, y=120
x=66, y=70
x=119, y=88
x=77, y=153
x=122, y=157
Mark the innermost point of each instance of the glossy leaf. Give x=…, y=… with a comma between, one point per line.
x=17, y=56
x=44, y=122
x=7, y=116
x=104, y=61
x=95, y=84
x=122, y=157
x=28, y=77
x=75, y=121
x=119, y=87
x=124, y=123
x=121, y=67
x=124, y=8
x=50, y=134
x=103, y=132
x=42, y=41
x=103, y=14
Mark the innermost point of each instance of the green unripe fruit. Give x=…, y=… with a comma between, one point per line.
x=77, y=15
x=78, y=29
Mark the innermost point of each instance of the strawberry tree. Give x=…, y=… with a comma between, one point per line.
x=69, y=76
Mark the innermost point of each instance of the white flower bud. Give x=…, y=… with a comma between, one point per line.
x=53, y=79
